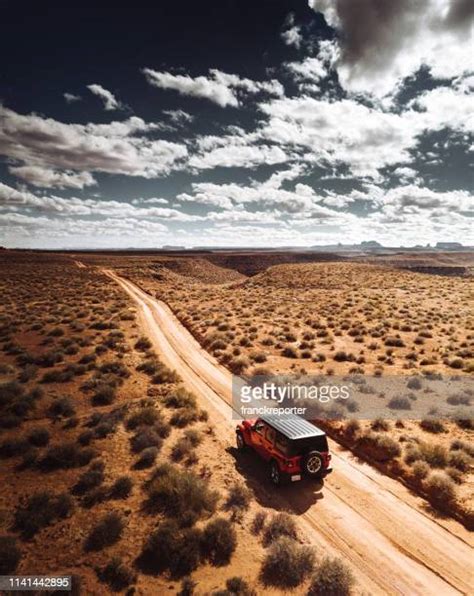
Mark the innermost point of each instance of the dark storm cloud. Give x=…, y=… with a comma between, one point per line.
x=382, y=41
x=460, y=14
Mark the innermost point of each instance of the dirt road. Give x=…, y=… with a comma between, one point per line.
x=372, y=521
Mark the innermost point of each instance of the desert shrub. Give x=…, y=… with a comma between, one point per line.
x=146, y=437
x=440, y=489
x=85, y=438
x=88, y=358
x=341, y=356
x=50, y=358
x=352, y=427
x=287, y=563
x=399, y=403
x=29, y=372
x=180, y=494
x=107, y=532
x=144, y=417
x=420, y=470
x=13, y=448
x=259, y=357
x=238, y=365
x=56, y=332
x=380, y=424
x=10, y=420
x=66, y=455
x=39, y=437
x=394, y=342
x=455, y=474
x=182, y=448
x=171, y=548
x=258, y=522
x=9, y=391
x=117, y=575
x=115, y=368
x=165, y=375
x=143, y=344
x=414, y=383
x=412, y=454
x=218, y=344
x=180, y=398
x=187, y=587
x=91, y=478
x=459, y=445
x=10, y=555
x=239, y=497
x=332, y=577
x=95, y=496
x=460, y=460
x=458, y=399
x=380, y=447
x=147, y=458
x=184, y=417
x=279, y=525
x=40, y=510
x=58, y=376
x=289, y=352
x=434, y=454
x=104, y=395
x=464, y=420
x=121, y=488
x=219, y=540
x=236, y=586
x=63, y=407
x=149, y=366
x=432, y=425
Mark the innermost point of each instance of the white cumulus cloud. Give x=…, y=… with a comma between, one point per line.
x=219, y=87
x=108, y=98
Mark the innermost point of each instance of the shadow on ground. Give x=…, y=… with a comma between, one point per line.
x=295, y=497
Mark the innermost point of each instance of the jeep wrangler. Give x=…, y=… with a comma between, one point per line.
x=292, y=446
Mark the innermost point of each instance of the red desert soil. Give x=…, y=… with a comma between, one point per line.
x=392, y=542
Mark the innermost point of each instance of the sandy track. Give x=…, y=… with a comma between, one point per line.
x=374, y=522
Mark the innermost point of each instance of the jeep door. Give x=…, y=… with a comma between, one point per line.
x=258, y=438
x=269, y=443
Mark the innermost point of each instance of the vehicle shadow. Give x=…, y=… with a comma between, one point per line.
x=295, y=497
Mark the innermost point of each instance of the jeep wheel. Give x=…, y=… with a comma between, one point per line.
x=313, y=464
x=239, y=438
x=275, y=474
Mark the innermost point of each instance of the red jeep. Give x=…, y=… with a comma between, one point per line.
x=292, y=446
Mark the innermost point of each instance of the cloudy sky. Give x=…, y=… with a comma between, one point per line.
x=236, y=123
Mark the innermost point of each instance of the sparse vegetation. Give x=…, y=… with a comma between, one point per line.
x=287, y=563
x=180, y=494
x=332, y=577
x=218, y=541
x=172, y=548
x=40, y=510
x=279, y=525
x=105, y=533
x=10, y=555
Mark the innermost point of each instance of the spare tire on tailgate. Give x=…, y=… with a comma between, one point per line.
x=312, y=464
